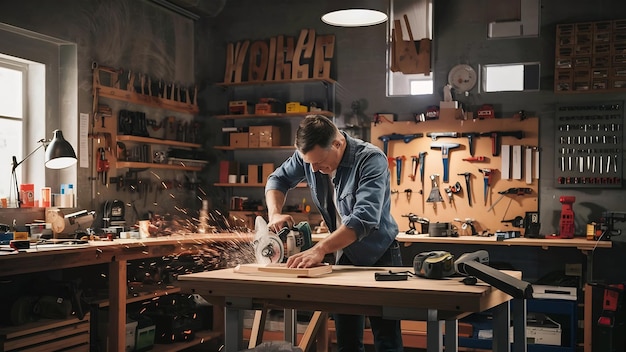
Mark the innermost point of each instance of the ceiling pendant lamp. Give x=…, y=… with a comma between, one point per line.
x=357, y=14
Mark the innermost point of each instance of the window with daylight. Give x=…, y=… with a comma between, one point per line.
x=12, y=87
x=409, y=69
x=38, y=94
x=515, y=77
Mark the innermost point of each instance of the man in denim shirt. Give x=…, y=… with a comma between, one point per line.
x=348, y=178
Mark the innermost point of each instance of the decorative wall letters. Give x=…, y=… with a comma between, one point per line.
x=278, y=59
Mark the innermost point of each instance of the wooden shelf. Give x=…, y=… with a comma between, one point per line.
x=47, y=335
x=141, y=296
x=200, y=338
x=300, y=185
x=281, y=147
x=137, y=165
x=283, y=81
x=142, y=99
x=273, y=115
x=138, y=139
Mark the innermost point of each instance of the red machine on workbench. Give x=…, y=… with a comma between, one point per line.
x=566, y=223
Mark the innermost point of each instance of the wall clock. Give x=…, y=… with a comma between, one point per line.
x=462, y=78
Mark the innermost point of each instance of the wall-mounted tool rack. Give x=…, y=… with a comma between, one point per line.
x=589, y=145
x=489, y=208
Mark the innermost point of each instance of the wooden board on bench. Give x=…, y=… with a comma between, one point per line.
x=282, y=270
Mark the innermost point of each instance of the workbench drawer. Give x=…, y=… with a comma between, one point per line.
x=47, y=335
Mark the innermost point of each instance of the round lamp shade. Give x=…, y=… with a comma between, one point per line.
x=59, y=153
x=357, y=17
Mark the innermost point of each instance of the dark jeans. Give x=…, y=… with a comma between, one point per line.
x=387, y=333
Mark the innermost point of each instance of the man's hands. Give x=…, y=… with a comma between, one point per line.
x=307, y=259
x=278, y=221
x=340, y=238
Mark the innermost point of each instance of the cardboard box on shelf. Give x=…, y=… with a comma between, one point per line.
x=296, y=107
x=264, y=136
x=238, y=107
x=253, y=174
x=451, y=114
x=239, y=139
x=266, y=170
x=449, y=104
x=268, y=106
x=27, y=195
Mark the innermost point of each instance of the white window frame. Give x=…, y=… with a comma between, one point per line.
x=398, y=83
x=7, y=189
x=52, y=99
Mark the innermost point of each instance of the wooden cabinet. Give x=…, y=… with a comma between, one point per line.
x=144, y=295
x=116, y=255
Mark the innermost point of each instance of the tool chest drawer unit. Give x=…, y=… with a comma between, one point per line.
x=590, y=57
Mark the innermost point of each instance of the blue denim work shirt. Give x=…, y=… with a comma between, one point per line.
x=362, y=185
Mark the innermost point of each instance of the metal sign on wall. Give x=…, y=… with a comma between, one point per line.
x=280, y=58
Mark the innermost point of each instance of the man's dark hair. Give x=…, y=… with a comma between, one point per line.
x=315, y=130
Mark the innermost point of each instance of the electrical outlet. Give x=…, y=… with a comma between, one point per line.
x=574, y=269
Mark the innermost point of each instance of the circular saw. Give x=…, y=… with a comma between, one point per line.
x=276, y=248
x=268, y=247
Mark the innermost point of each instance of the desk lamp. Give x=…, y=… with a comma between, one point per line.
x=59, y=155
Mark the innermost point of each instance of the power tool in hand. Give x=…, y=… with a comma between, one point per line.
x=276, y=248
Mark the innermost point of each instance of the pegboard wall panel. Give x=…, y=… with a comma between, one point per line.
x=488, y=207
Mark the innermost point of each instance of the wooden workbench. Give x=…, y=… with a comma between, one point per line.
x=353, y=290
x=116, y=255
x=577, y=242
x=587, y=247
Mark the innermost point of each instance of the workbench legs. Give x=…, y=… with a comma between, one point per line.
x=434, y=333
x=502, y=314
x=233, y=331
x=116, y=331
x=436, y=339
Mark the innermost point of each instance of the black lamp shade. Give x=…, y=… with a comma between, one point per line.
x=59, y=153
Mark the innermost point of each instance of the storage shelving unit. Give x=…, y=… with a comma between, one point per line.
x=47, y=335
x=548, y=306
x=101, y=90
x=315, y=92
